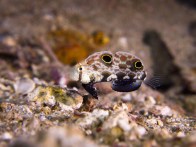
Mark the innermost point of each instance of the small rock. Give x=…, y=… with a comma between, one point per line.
x=24, y=86
x=116, y=132
x=66, y=136
x=160, y=123
x=127, y=97
x=151, y=121
x=118, y=118
x=93, y=118
x=10, y=41
x=136, y=132
x=150, y=101
x=180, y=134
x=140, y=131
x=164, y=110
x=165, y=133
x=56, y=96
x=6, y=136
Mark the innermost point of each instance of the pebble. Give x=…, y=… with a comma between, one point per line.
x=160, y=123
x=92, y=118
x=150, y=101
x=164, y=110
x=24, y=86
x=127, y=97
x=118, y=118
x=140, y=130
x=151, y=121
x=10, y=41
x=6, y=136
x=180, y=134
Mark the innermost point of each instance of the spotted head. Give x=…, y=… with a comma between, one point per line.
x=124, y=70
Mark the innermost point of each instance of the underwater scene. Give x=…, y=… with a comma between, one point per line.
x=98, y=73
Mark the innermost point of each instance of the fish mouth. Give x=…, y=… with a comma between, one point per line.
x=126, y=85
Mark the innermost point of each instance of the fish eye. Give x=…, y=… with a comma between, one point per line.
x=138, y=65
x=80, y=68
x=107, y=58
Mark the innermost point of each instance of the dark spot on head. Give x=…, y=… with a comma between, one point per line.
x=116, y=61
x=129, y=62
x=130, y=57
x=116, y=70
x=123, y=58
x=122, y=66
x=90, y=61
x=120, y=75
x=105, y=74
x=117, y=56
x=131, y=75
x=95, y=67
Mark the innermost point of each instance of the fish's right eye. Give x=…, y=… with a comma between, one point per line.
x=138, y=65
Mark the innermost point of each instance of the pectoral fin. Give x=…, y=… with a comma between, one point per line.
x=90, y=89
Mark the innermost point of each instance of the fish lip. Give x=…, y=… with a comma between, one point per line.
x=126, y=85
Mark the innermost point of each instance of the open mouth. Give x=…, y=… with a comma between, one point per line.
x=126, y=85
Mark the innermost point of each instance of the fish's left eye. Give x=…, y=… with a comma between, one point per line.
x=106, y=58
x=138, y=65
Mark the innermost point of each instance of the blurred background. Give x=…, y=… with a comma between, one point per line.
x=44, y=38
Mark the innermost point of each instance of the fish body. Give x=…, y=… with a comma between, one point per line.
x=124, y=70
